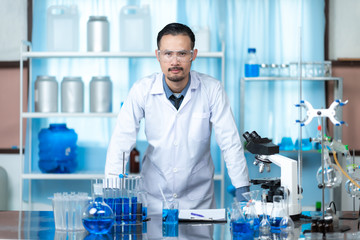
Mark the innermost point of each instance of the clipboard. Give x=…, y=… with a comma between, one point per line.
x=203, y=215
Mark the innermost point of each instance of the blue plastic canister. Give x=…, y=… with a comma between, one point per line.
x=57, y=149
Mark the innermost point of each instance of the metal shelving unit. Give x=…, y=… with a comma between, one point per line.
x=26, y=53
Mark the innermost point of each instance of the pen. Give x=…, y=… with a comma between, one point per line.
x=195, y=214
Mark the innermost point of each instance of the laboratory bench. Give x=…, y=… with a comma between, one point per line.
x=40, y=225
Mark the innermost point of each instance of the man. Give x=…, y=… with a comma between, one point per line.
x=180, y=107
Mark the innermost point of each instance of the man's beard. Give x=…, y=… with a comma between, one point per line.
x=175, y=78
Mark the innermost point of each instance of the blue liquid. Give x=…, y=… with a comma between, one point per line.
x=126, y=210
x=98, y=226
x=170, y=215
x=144, y=213
x=133, y=208
x=118, y=209
x=275, y=224
x=252, y=70
x=241, y=230
x=110, y=202
x=170, y=229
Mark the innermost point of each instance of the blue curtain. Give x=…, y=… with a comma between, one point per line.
x=271, y=26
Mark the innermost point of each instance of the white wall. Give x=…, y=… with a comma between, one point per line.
x=10, y=182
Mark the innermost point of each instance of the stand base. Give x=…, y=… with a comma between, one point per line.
x=349, y=215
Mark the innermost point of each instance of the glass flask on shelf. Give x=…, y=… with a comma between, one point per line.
x=332, y=174
x=97, y=217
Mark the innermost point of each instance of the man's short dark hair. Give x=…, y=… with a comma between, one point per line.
x=176, y=29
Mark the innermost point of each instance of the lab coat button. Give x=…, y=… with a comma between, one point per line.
x=175, y=170
x=175, y=195
x=175, y=143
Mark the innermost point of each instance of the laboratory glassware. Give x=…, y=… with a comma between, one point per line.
x=277, y=213
x=251, y=64
x=287, y=225
x=57, y=149
x=250, y=215
x=46, y=94
x=239, y=227
x=264, y=226
x=332, y=174
x=97, y=217
x=67, y=209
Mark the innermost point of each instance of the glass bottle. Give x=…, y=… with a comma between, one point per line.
x=134, y=161
x=314, y=225
x=252, y=67
x=277, y=213
x=97, y=217
x=321, y=226
x=329, y=227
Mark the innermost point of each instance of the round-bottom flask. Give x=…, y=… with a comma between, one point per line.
x=98, y=217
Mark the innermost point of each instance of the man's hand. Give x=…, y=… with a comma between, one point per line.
x=239, y=191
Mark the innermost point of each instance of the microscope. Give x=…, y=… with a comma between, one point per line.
x=265, y=154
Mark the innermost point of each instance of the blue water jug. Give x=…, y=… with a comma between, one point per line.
x=57, y=149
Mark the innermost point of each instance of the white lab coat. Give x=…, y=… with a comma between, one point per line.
x=178, y=156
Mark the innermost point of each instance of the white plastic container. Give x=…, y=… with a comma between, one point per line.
x=135, y=29
x=202, y=39
x=62, y=28
x=46, y=94
x=72, y=95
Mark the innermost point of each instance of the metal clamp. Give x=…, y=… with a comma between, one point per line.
x=312, y=113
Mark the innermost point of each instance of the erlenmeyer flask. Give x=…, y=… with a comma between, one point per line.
x=240, y=228
x=332, y=174
x=264, y=226
x=251, y=216
x=286, y=225
x=277, y=213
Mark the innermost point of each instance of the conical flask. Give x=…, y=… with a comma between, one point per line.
x=97, y=217
x=286, y=225
x=264, y=226
x=251, y=216
x=240, y=228
x=277, y=213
